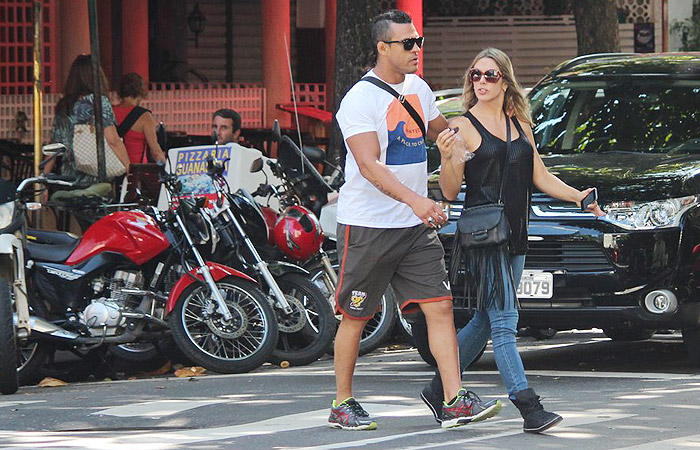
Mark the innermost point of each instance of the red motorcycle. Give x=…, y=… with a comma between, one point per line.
x=132, y=277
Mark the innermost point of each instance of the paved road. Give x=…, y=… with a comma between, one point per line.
x=612, y=395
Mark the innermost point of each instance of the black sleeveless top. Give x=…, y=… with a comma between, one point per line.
x=483, y=178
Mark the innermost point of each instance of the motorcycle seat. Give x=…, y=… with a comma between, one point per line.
x=51, y=237
x=49, y=252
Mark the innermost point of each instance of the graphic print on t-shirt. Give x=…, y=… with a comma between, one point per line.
x=405, y=140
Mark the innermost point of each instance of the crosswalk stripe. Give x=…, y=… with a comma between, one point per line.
x=19, y=402
x=154, y=439
x=156, y=409
x=692, y=441
x=573, y=419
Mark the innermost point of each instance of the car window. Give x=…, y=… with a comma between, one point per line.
x=646, y=115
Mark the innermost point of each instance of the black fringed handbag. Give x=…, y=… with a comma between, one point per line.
x=486, y=225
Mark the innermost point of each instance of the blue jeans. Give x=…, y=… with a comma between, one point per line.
x=500, y=326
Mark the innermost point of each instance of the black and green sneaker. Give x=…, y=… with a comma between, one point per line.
x=349, y=415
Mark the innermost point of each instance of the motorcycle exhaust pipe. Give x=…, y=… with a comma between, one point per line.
x=45, y=327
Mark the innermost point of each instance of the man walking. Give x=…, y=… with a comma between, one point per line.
x=386, y=222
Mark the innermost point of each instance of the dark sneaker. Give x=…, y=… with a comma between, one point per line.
x=434, y=402
x=466, y=408
x=349, y=415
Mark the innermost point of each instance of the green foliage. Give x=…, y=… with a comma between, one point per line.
x=688, y=31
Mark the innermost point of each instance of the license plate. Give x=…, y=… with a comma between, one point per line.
x=535, y=284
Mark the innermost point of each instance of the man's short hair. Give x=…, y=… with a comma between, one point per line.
x=381, y=24
x=230, y=114
x=381, y=27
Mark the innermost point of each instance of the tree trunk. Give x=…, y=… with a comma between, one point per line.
x=353, y=56
x=597, y=29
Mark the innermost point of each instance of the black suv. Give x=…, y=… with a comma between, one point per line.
x=630, y=125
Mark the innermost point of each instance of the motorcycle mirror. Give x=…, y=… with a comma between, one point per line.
x=276, y=131
x=315, y=154
x=256, y=165
x=53, y=149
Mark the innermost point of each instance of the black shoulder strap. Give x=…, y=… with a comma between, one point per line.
x=414, y=114
x=130, y=120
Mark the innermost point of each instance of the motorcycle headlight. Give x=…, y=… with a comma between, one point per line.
x=651, y=215
x=6, y=214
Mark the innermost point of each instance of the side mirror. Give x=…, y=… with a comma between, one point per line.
x=256, y=165
x=276, y=131
x=53, y=149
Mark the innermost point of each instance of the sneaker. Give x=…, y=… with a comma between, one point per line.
x=349, y=415
x=467, y=407
x=434, y=402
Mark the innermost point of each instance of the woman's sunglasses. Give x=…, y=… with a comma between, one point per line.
x=491, y=75
x=408, y=43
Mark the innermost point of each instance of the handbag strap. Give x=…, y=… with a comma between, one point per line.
x=130, y=119
x=414, y=114
x=505, y=162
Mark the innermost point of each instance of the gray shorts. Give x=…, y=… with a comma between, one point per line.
x=411, y=259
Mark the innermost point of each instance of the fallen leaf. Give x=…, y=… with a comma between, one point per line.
x=51, y=382
x=165, y=368
x=194, y=371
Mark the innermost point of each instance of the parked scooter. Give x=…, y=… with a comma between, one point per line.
x=129, y=278
x=305, y=319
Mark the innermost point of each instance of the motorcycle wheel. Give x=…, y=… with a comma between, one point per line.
x=236, y=347
x=306, y=345
x=9, y=382
x=142, y=356
x=72, y=365
x=32, y=355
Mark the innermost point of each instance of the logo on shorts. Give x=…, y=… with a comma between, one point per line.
x=356, y=300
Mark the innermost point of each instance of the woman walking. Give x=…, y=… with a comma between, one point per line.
x=496, y=126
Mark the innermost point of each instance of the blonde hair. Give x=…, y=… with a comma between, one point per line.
x=514, y=103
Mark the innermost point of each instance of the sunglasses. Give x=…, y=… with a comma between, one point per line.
x=491, y=75
x=408, y=43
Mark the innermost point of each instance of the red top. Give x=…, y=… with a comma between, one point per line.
x=134, y=141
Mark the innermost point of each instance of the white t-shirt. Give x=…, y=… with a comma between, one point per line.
x=367, y=108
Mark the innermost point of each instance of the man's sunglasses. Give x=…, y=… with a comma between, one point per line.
x=491, y=75
x=408, y=43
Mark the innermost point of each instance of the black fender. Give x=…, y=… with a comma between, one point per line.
x=279, y=268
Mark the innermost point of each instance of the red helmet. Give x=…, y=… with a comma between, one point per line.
x=298, y=233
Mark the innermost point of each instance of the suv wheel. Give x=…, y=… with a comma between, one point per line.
x=628, y=334
x=691, y=340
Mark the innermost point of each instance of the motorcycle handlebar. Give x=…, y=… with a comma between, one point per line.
x=263, y=190
x=44, y=179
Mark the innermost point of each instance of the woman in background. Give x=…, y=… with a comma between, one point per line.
x=77, y=107
x=136, y=124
